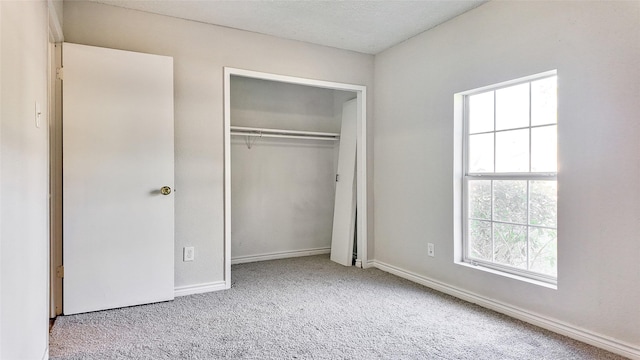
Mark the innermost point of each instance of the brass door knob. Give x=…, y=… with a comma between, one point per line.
x=165, y=190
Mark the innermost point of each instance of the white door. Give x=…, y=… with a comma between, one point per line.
x=118, y=227
x=344, y=212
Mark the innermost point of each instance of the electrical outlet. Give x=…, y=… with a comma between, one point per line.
x=431, y=249
x=188, y=253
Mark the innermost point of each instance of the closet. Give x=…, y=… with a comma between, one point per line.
x=282, y=160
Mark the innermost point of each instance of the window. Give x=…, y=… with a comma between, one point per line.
x=510, y=177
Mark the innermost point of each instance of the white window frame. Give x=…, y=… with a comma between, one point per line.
x=467, y=176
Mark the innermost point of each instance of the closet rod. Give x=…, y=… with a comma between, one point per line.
x=281, y=131
x=283, y=136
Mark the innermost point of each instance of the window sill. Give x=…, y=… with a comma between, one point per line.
x=508, y=275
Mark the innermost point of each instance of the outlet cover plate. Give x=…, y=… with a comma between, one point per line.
x=188, y=253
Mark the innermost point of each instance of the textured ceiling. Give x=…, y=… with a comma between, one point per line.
x=363, y=26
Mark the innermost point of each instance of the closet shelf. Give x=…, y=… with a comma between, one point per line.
x=279, y=133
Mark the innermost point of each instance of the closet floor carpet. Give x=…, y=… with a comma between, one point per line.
x=310, y=308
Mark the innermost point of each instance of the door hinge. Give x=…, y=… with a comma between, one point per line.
x=337, y=177
x=60, y=73
x=60, y=271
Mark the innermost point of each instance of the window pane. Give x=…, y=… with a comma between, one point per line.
x=481, y=153
x=544, y=101
x=510, y=201
x=512, y=151
x=543, y=203
x=543, y=251
x=512, y=107
x=481, y=112
x=544, y=149
x=480, y=240
x=511, y=138
x=480, y=199
x=510, y=246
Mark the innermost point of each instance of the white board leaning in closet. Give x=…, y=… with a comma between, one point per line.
x=281, y=165
x=344, y=214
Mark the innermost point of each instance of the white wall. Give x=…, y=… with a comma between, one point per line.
x=271, y=104
x=200, y=52
x=282, y=196
x=282, y=190
x=23, y=181
x=1, y=70
x=596, y=48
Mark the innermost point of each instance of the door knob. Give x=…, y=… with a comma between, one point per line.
x=165, y=190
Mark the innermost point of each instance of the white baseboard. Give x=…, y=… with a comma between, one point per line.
x=199, y=288
x=45, y=356
x=279, y=255
x=574, y=332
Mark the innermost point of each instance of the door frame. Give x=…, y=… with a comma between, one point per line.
x=361, y=159
x=55, y=181
x=54, y=89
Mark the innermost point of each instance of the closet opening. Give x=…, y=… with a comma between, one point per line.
x=295, y=169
